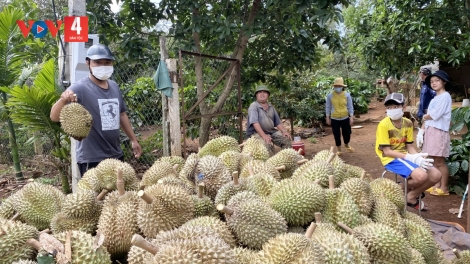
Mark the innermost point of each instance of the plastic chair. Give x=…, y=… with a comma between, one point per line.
x=406, y=189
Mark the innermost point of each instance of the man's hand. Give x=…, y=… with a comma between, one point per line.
x=420, y=138
x=287, y=134
x=68, y=96
x=328, y=120
x=267, y=139
x=351, y=120
x=136, y=148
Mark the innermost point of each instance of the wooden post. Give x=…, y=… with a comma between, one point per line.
x=165, y=120
x=174, y=110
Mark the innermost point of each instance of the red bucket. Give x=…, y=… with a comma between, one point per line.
x=299, y=145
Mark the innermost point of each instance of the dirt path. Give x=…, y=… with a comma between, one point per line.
x=363, y=141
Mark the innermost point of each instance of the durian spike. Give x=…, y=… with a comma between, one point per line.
x=331, y=181
x=317, y=217
x=224, y=209
x=363, y=174
x=282, y=167
x=345, y=228
x=175, y=169
x=300, y=162
x=331, y=157
x=235, y=177
x=120, y=183
x=310, y=230
x=45, y=231
x=139, y=241
x=317, y=181
x=250, y=170
x=145, y=197
x=13, y=218
x=456, y=253
x=332, y=149
x=200, y=190
x=33, y=243
x=102, y=194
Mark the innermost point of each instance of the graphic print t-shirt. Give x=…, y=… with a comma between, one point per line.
x=388, y=135
x=105, y=105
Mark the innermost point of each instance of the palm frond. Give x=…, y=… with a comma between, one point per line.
x=46, y=78
x=28, y=74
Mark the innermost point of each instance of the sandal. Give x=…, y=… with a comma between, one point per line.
x=439, y=192
x=339, y=153
x=417, y=205
x=430, y=189
x=349, y=148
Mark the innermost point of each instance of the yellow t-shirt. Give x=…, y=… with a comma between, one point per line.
x=387, y=135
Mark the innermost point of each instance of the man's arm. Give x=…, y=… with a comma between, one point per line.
x=393, y=154
x=283, y=130
x=328, y=109
x=127, y=128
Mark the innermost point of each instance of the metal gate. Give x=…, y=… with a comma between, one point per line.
x=216, y=72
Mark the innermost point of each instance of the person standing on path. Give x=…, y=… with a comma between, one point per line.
x=340, y=114
x=436, y=124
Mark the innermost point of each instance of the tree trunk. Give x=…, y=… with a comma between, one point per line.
x=204, y=130
x=13, y=146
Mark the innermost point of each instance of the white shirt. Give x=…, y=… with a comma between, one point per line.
x=440, y=110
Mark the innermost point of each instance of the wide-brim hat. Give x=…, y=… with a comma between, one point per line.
x=442, y=75
x=339, y=82
x=262, y=88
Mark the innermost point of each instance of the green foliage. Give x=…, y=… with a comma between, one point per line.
x=149, y=146
x=313, y=140
x=459, y=151
x=144, y=102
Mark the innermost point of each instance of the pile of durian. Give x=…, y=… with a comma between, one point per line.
x=226, y=204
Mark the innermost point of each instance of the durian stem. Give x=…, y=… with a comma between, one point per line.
x=456, y=253
x=282, y=167
x=33, y=243
x=310, y=230
x=175, y=169
x=299, y=151
x=200, y=190
x=345, y=227
x=250, y=170
x=13, y=218
x=363, y=174
x=68, y=245
x=242, y=144
x=300, y=162
x=224, y=209
x=332, y=149
x=120, y=183
x=317, y=217
x=331, y=157
x=369, y=176
x=235, y=178
x=145, y=197
x=139, y=241
x=102, y=194
x=331, y=182
x=317, y=181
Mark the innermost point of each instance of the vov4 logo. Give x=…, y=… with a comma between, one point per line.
x=75, y=28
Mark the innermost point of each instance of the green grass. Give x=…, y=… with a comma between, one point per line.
x=313, y=140
x=50, y=181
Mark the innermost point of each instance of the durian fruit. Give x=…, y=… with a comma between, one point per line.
x=296, y=229
x=319, y=170
x=384, y=244
x=174, y=160
x=138, y=255
x=82, y=204
x=219, y=145
x=212, y=172
x=421, y=240
x=189, y=169
x=462, y=257
x=391, y=191
x=340, y=207
x=253, y=222
x=163, y=207
x=297, y=200
x=256, y=149
x=157, y=171
x=385, y=212
x=418, y=220
x=83, y=249
x=75, y=120
x=61, y=222
x=7, y=208
x=291, y=248
x=89, y=181
x=186, y=232
x=37, y=204
x=215, y=224
x=118, y=221
x=243, y=197
x=23, y=261
x=171, y=180
x=203, y=205
x=361, y=193
x=364, y=219
x=302, y=167
x=230, y=189
x=261, y=184
x=337, y=163
x=338, y=247
x=289, y=158
x=256, y=166
x=13, y=238
x=231, y=160
x=416, y=257
x=106, y=173
x=353, y=171
x=244, y=159
x=245, y=256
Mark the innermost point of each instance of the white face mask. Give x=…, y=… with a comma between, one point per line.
x=102, y=72
x=338, y=90
x=395, y=114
